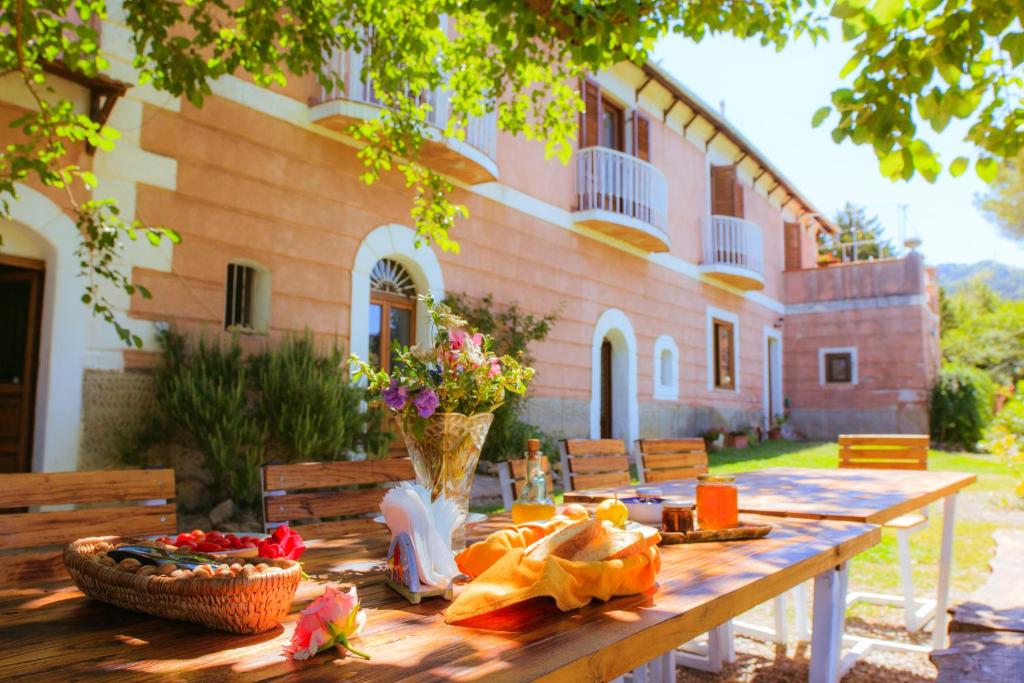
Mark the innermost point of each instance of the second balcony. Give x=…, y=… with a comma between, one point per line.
x=732, y=251
x=621, y=196
x=471, y=160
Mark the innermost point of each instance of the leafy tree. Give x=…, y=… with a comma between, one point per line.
x=982, y=330
x=914, y=60
x=860, y=236
x=1003, y=204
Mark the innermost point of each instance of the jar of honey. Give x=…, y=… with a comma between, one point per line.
x=677, y=517
x=717, y=502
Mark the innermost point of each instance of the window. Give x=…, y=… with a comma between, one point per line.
x=247, y=298
x=837, y=365
x=611, y=126
x=726, y=192
x=666, y=368
x=724, y=350
x=392, y=311
x=603, y=122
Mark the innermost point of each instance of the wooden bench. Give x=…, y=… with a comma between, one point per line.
x=330, y=499
x=121, y=502
x=512, y=476
x=893, y=452
x=665, y=459
x=592, y=463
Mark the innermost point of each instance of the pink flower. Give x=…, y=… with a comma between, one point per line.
x=330, y=620
x=458, y=337
x=478, y=339
x=495, y=368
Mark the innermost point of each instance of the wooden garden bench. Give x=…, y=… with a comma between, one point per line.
x=590, y=463
x=893, y=452
x=665, y=459
x=512, y=476
x=120, y=502
x=330, y=499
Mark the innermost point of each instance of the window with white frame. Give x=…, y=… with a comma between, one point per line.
x=723, y=343
x=837, y=365
x=666, y=368
x=247, y=298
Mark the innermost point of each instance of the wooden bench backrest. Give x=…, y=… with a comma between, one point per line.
x=884, y=451
x=120, y=502
x=594, y=463
x=329, y=499
x=512, y=475
x=665, y=459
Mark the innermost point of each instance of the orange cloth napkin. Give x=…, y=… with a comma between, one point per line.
x=477, y=558
x=514, y=578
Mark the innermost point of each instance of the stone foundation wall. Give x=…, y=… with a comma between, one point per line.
x=827, y=424
x=114, y=405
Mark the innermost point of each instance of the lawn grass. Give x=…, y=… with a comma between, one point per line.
x=876, y=569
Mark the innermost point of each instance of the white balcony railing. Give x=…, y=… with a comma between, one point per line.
x=609, y=180
x=481, y=131
x=730, y=241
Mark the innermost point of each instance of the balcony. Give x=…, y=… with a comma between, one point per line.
x=733, y=252
x=471, y=160
x=622, y=196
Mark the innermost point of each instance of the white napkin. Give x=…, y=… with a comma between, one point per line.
x=408, y=509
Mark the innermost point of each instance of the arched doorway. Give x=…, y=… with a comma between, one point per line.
x=614, y=410
x=21, y=308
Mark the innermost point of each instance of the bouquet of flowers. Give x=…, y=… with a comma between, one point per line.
x=458, y=373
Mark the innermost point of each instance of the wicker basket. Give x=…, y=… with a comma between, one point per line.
x=237, y=604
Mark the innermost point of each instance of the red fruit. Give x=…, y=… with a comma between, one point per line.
x=187, y=545
x=214, y=535
x=183, y=538
x=248, y=544
x=231, y=538
x=197, y=533
x=234, y=542
x=207, y=547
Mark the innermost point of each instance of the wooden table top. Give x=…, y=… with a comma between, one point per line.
x=856, y=495
x=53, y=631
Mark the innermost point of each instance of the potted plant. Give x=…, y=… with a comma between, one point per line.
x=444, y=396
x=714, y=438
x=775, y=430
x=739, y=438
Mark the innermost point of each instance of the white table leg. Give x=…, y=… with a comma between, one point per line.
x=829, y=622
x=940, y=638
x=803, y=628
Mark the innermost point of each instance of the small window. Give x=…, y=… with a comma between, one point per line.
x=247, y=299
x=724, y=334
x=839, y=368
x=666, y=368
x=392, y=311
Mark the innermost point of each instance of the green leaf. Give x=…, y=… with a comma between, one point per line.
x=1013, y=43
x=887, y=10
x=820, y=116
x=987, y=168
x=891, y=165
x=959, y=166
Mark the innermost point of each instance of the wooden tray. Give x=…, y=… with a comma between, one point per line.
x=743, y=532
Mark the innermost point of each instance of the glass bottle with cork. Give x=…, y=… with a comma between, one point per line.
x=533, y=503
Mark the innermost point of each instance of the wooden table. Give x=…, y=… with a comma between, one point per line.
x=52, y=632
x=860, y=495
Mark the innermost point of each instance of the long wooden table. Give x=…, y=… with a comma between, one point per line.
x=859, y=495
x=51, y=631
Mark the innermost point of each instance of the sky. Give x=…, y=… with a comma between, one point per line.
x=771, y=96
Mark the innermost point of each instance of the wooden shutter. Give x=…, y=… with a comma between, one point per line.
x=641, y=136
x=590, y=120
x=794, y=247
x=726, y=192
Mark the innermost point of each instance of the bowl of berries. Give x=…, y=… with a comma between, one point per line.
x=199, y=541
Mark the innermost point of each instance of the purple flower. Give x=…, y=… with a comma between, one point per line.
x=426, y=402
x=395, y=396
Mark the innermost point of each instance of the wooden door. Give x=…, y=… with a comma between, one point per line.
x=606, y=389
x=20, y=307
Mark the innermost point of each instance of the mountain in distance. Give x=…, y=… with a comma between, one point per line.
x=1007, y=281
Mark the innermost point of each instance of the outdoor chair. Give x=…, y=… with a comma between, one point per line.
x=331, y=499
x=666, y=459
x=512, y=477
x=120, y=502
x=893, y=452
x=594, y=463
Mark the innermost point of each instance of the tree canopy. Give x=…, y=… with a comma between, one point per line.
x=983, y=330
x=860, y=237
x=914, y=62
x=1003, y=204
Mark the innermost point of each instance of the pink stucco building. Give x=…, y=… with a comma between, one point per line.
x=683, y=261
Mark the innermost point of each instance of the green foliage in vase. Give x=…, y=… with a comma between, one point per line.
x=961, y=406
x=915, y=67
x=513, y=331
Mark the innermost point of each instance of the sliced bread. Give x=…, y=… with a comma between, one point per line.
x=568, y=541
x=613, y=546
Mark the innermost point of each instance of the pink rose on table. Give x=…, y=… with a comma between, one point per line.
x=330, y=620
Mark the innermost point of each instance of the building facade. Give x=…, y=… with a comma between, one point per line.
x=682, y=262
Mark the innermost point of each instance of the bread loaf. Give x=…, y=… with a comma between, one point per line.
x=612, y=546
x=568, y=541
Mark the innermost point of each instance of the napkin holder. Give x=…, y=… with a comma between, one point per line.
x=401, y=574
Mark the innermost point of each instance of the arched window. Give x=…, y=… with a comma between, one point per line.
x=666, y=368
x=392, y=311
x=247, y=298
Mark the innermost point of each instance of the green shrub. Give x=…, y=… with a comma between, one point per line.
x=308, y=405
x=1005, y=436
x=961, y=405
x=513, y=331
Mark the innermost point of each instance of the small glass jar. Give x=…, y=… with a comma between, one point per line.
x=677, y=517
x=717, y=502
